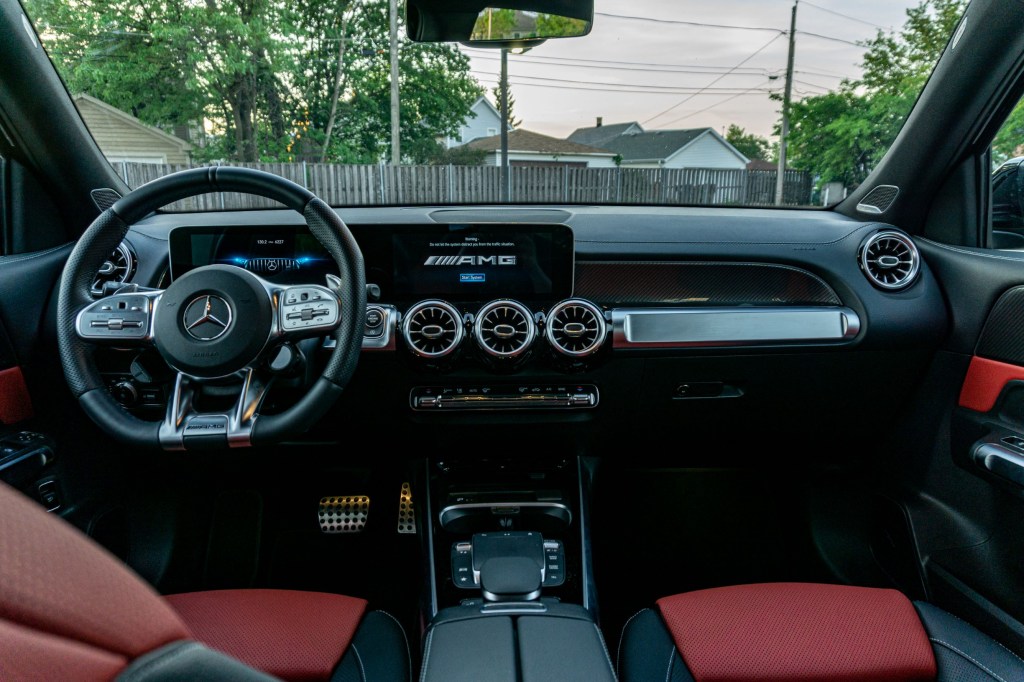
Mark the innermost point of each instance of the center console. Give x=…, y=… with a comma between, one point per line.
x=510, y=581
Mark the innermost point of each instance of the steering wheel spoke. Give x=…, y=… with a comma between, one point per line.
x=307, y=310
x=121, y=319
x=186, y=428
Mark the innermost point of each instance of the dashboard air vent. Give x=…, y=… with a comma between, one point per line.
x=576, y=328
x=505, y=329
x=890, y=260
x=432, y=329
x=119, y=267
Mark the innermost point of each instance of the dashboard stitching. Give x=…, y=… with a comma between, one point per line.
x=967, y=252
x=6, y=260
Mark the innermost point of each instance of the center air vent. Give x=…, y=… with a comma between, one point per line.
x=432, y=329
x=505, y=329
x=890, y=260
x=119, y=267
x=576, y=328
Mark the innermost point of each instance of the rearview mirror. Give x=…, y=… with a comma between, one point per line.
x=506, y=23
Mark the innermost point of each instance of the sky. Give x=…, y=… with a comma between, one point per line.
x=656, y=72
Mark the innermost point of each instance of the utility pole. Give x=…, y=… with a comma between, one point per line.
x=503, y=104
x=396, y=148
x=781, y=179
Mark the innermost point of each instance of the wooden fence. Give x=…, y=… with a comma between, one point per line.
x=351, y=185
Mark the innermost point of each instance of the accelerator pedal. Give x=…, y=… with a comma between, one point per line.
x=343, y=514
x=406, y=515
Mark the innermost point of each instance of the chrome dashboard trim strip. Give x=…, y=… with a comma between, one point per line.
x=724, y=327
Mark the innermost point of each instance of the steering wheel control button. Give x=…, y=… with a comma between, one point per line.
x=205, y=431
x=195, y=326
x=308, y=309
x=207, y=317
x=123, y=316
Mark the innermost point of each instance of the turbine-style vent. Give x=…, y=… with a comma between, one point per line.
x=505, y=329
x=432, y=329
x=576, y=328
x=119, y=267
x=890, y=260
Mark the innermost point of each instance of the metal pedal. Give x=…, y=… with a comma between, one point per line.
x=343, y=514
x=406, y=515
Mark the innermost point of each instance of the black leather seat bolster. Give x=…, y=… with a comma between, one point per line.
x=965, y=654
x=379, y=652
x=186, y=660
x=647, y=651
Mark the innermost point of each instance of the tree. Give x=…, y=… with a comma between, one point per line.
x=750, y=145
x=269, y=76
x=841, y=135
x=511, y=118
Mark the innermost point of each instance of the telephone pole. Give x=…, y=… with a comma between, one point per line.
x=396, y=148
x=780, y=180
x=503, y=105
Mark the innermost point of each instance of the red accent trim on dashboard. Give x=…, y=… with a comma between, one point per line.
x=15, y=403
x=798, y=631
x=985, y=381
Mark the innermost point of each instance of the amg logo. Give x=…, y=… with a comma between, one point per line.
x=470, y=260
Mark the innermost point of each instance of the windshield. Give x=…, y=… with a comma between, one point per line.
x=661, y=103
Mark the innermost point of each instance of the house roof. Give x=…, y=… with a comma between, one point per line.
x=599, y=136
x=521, y=140
x=656, y=144
x=761, y=164
x=130, y=120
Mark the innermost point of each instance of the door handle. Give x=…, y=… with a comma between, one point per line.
x=1001, y=461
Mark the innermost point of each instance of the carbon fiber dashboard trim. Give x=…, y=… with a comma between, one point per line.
x=700, y=283
x=726, y=327
x=1002, y=337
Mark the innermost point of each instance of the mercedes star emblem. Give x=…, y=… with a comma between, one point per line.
x=207, y=317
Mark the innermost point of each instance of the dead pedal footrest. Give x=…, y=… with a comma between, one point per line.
x=343, y=514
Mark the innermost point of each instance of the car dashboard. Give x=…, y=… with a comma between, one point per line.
x=610, y=326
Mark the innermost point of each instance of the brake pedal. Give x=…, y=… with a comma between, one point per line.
x=343, y=514
x=406, y=515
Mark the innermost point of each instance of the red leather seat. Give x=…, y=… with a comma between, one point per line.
x=71, y=611
x=799, y=631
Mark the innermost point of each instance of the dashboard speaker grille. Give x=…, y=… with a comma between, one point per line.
x=879, y=200
x=890, y=260
x=118, y=267
x=505, y=329
x=576, y=328
x=432, y=329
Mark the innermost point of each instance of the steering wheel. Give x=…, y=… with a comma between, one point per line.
x=214, y=323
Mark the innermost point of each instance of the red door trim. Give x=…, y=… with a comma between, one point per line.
x=984, y=382
x=15, y=403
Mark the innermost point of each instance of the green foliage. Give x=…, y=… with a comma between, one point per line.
x=841, y=136
x=494, y=24
x=456, y=156
x=558, y=26
x=1009, y=140
x=512, y=120
x=261, y=73
x=750, y=145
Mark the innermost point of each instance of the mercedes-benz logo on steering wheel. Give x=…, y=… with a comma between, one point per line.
x=207, y=317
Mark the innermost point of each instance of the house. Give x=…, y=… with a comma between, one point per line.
x=526, y=148
x=484, y=120
x=638, y=148
x=122, y=137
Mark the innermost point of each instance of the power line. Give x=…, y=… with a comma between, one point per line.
x=596, y=61
x=832, y=38
x=522, y=60
x=493, y=80
x=677, y=89
x=687, y=23
x=687, y=99
x=754, y=90
x=847, y=16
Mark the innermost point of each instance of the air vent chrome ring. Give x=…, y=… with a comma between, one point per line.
x=433, y=329
x=118, y=267
x=505, y=329
x=576, y=327
x=890, y=260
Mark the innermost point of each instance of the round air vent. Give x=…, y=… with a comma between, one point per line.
x=576, y=328
x=432, y=329
x=119, y=267
x=505, y=329
x=890, y=260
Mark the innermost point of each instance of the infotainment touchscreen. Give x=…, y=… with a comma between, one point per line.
x=464, y=262
x=473, y=262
